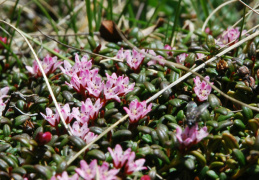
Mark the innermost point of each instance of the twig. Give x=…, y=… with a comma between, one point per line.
x=249, y=7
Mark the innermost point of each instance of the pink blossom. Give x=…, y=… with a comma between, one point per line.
x=53, y=119
x=190, y=136
x=92, y=109
x=135, y=59
x=202, y=89
x=82, y=117
x=126, y=159
x=79, y=66
x=111, y=92
x=3, y=40
x=124, y=86
x=65, y=111
x=181, y=58
x=49, y=65
x=86, y=171
x=95, y=86
x=78, y=83
x=229, y=36
x=106, y=174
x=200, y=56
x=2, y=107
x=152, y=61
x=119, y=157
x=78, y=130
x=137, y=110
x=65, y=176
x=4, y=92
x=123, y=55
x=121, y=82
x=89, y=137
x=134, y=166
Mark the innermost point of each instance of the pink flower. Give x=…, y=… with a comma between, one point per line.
x=3, y=40
x=65, y=176
x=229, y=36
x=124, y=86
x=181, y=58
x=65, y=111
x=89, y=137
x=105, y=173
x=190, y=136
x=95, y=87
x=82, y=117
x=89, y=172
x=78, y=130
x=49, y=65
x=135, y=59
x=137, y=110
x=111, y=92
x=53, y=119
x=86, y=171
x=92, y=109
x=4, y=92
x=119, y=157
x=200, y=55
x=152, y=61
x=123, y=55
x=126, y=159
x=202, y=89
x=121, y=82
x=134, y=166
x=79, y=66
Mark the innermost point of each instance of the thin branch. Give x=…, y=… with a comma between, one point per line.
x=249, y=7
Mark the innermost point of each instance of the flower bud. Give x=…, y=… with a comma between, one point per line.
x=43, y=138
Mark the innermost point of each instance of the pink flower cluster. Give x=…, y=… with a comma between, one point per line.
x=137, y=110
x=229, y=36
x=125, y=160
x=3, y=94
x=88, y=111
x=82, y=79
x=54, y=119
x=49, y=65
x=190, y=136
x=134, y=59
x=64, y=176
x=92, y=171
x=202, y=89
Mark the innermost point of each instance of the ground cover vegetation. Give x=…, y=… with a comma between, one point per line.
x=129, y=89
